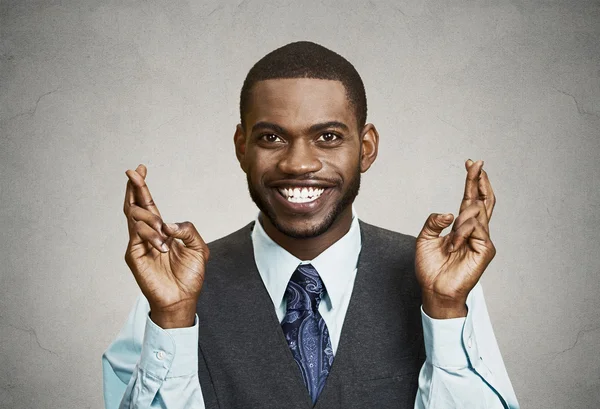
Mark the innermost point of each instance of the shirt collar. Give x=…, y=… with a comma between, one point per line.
x=334, y=265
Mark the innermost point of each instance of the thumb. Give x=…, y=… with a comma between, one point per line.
x=187, y=233
x=435, y=223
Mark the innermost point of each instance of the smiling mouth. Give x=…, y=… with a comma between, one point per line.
x=301, y=194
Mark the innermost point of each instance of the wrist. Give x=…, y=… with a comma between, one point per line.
x=443, y=307
x=182, y=317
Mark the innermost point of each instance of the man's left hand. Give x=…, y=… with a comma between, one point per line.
x=448, y=267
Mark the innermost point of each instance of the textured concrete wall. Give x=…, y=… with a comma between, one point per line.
x=90, y=88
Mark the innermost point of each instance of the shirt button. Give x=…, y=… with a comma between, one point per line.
x=160, y=355
x=470, y=342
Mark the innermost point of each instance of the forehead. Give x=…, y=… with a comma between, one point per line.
x=296, y=103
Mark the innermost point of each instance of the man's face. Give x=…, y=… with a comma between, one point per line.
x=301, y=151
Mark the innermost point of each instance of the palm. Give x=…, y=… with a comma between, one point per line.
x=445, y=273
x=177, y=275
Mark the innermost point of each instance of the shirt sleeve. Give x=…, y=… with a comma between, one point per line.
x=464, y=367
x=149, y=367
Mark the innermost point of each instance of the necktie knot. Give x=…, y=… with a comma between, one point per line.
x=305, y=289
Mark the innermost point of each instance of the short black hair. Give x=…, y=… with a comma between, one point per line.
x=305, y=59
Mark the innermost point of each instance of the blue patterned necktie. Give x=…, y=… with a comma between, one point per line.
x=305, y=330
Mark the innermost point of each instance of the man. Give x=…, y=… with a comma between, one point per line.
x=308, y=306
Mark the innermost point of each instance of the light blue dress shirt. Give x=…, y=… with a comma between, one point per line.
x=148, y=367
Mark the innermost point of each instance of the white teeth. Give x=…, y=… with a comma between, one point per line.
x=301, y=195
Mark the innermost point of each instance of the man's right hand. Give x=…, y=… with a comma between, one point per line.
x=167, y=260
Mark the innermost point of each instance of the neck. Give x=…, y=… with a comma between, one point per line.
x=310, y=248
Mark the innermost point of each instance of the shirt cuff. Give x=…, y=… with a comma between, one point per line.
x=169, y=353
x=444, y=341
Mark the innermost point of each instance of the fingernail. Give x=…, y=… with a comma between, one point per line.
x=451, y=248
x=171, y=226
x=164, y=247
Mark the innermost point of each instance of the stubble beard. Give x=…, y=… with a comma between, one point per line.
x=346, y=200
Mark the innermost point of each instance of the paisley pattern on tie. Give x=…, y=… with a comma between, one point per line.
x=305, y=329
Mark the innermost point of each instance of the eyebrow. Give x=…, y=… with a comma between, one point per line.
x=313, y=128
x=326, y=125
x=268, y=126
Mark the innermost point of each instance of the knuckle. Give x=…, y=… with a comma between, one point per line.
x=127, y=257
x=157, y=222
x=189, y=228
x=471, y=222
x=131, y=213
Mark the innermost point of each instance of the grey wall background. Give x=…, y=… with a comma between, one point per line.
x=89, y=89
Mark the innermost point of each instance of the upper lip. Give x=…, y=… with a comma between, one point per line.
x=287, y=183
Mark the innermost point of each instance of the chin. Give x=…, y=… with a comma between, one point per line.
x=303, y=229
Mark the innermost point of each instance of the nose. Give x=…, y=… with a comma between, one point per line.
x=299, y=159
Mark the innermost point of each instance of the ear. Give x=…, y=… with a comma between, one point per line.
x=369, y=146
x=239, y=140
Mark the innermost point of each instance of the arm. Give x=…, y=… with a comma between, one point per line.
x=464, y=367
x=148, y=367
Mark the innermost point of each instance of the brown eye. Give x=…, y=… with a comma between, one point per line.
x=328, y=137
x=271, y=138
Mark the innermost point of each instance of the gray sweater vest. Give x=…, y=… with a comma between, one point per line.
x=244, y=361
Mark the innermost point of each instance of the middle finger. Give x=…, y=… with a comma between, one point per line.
x=143, y=198
x=471, y=183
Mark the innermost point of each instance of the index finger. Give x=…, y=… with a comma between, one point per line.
x=141, y=192
x=472, y=183
x=129, y=198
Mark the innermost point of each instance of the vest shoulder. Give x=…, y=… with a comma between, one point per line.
x=387, y=239
x=232, y=243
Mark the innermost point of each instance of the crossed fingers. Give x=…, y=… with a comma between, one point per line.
x=137, y=190
x=478, y=187
x=476, y=207
x=143, y=218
